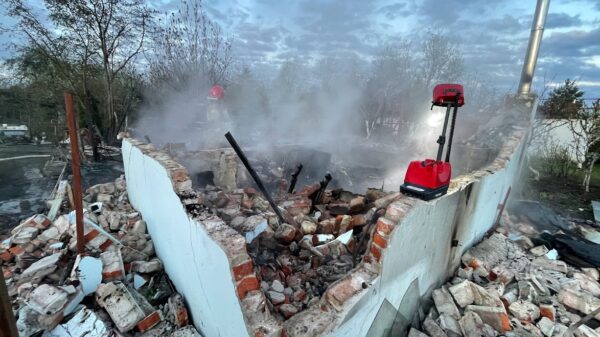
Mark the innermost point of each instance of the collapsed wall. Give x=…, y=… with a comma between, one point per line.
x=412, y=250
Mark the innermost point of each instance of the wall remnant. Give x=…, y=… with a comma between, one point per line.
x=414, y=245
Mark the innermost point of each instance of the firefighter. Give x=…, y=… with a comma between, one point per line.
x=216, y=110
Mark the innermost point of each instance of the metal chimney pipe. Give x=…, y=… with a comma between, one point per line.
x=535, y=39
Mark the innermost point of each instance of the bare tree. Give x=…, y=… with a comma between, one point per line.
x=189, y=46
x=442, y=60
x=110, y=33
x=586, y=130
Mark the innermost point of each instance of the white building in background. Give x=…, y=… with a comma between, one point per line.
x=7, y=130
x=557, y=132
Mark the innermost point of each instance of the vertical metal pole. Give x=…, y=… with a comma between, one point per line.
x=8, y=327
x=535, y=39
x=449, y=149
x=442, y=139
x=72, y=123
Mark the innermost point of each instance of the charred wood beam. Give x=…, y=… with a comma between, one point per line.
x=294, y=179
x=319, y=195
x=254, y=175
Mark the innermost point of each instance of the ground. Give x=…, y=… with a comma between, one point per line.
x=566, y=196
x=24, y=187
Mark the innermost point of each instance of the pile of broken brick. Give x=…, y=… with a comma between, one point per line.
x=117, y=285
x=324, y=234
x=513, y=288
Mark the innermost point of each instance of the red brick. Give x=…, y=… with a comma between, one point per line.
x=103, y=247
x=16, y=251
x=180, y=174
x=358, y=220
x=379, y=240
x=149, y=322
x=384, y=226
x=506, y=323
x=111, y=275
x=474, y=263
x=243, y=269
x=181, y=317
x=341, y=291
x=91, y=235
x=246, y=285
x=548, y=311
x=376, y=252
x=6, y=256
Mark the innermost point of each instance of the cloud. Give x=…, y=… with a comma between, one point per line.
x=573, y=43
x=562, y=20
x=395, y=10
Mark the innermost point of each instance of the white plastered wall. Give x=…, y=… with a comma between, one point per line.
x=197, y=266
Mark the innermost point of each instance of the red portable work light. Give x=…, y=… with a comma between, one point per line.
x=428, y=179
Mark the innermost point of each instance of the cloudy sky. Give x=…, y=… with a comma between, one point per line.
x=492, y=34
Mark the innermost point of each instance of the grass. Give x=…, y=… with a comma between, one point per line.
x=566, y=195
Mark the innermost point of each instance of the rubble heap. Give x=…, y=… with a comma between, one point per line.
x=513, y=288
x=323, y=236
x=117, y=285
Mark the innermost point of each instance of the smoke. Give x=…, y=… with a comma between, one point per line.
x=372, y=117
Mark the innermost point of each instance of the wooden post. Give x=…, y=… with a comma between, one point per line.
x=8, y=327
x=72, y=123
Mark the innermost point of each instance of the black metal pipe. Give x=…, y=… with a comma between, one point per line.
x=442, y=139
x=294, y=179
x=254, y=175
x=452, y=126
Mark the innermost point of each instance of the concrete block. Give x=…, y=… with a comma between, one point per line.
x=24, y=235
x=482, y=297
x=444, y=303
x=586, y=331
x=144, y=267
x=560, y=330
x=84, y=323
x=463, y=293
x=116, y=299
x=465, y=273
x=471, y=325
x=27, y=323
x=524, y=311
x=546, y=263
x=112, y=265
x=416, y=333
x=41, y=268
x=587, y=283
x=432, y=328
x=494, y=316
x=449, y=325
x=47, y=299
x=579, y=301
x=546, y=326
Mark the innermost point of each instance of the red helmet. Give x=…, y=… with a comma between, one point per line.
x=216, y=92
